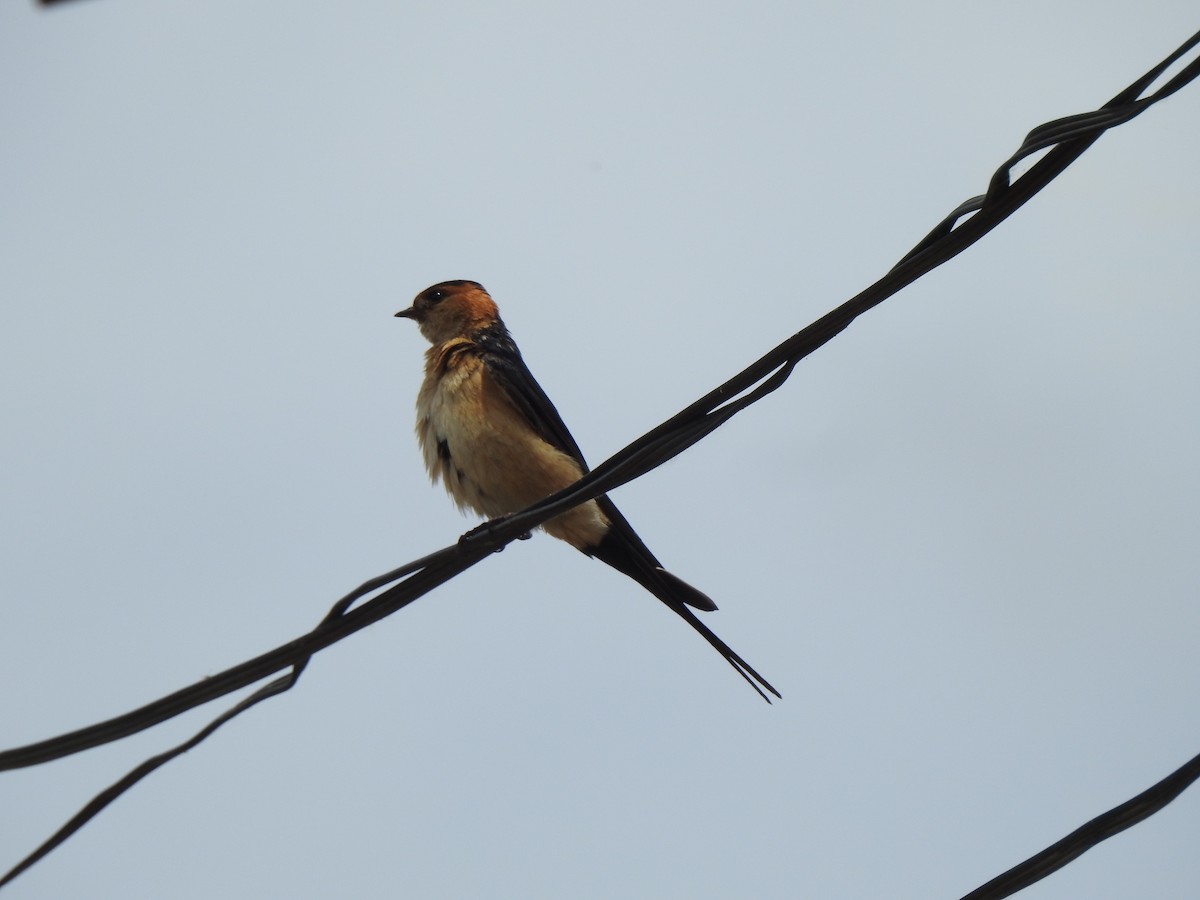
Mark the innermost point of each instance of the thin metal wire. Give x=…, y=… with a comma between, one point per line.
x=1087, y=836
x=1068, y=138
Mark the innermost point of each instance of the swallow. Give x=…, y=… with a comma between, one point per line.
x=491, y=436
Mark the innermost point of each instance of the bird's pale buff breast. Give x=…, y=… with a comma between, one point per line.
x=476, y=443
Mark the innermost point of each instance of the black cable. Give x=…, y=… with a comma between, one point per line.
x=1088, y=836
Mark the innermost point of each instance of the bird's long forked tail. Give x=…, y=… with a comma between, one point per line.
x=624, y=551
x=742, y=667
x=678, y=595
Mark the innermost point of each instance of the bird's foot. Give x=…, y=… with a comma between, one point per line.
x=480, y=530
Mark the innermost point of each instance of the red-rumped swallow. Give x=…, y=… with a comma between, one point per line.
x=490, y=434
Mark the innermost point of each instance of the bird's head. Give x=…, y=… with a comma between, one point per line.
x=451, y=309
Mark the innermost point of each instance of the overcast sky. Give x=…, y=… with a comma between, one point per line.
x=961, y=541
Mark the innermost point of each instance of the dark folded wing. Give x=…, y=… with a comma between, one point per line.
x=506, y=367
x=621, y=547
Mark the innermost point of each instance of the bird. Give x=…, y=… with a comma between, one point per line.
x=492, y=437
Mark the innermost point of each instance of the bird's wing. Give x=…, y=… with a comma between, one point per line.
x=504, y=364
x=621, y=547
x=506, y=367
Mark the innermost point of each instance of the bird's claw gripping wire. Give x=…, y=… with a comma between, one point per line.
x=484, y=532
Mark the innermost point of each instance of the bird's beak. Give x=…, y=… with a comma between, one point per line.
x=410, y=313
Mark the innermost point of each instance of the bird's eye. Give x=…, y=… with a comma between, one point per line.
x=436, y=297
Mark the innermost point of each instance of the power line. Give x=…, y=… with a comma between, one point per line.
x=1087, y=836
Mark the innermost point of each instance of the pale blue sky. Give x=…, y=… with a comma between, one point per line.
x=961, y=541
